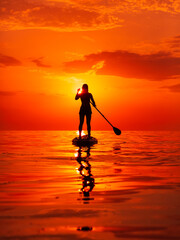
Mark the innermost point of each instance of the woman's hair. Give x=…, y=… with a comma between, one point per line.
x=85, y=86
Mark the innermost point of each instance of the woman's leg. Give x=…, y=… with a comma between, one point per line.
x=81, y=118
x=88, y=120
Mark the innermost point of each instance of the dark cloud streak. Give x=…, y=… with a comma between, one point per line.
x=173, y=88
x=6, y=61
x=39, y=63
x=7, y=93
x=155, y=67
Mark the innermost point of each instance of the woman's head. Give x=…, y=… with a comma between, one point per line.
x=85, y=88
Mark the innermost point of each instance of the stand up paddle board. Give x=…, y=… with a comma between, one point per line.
x=84, y=141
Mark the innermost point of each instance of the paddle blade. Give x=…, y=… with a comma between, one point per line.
x=117, y=131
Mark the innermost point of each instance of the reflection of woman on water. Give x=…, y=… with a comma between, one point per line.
x=88, y=182
x=85, y=109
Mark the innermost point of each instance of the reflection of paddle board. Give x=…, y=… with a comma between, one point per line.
x=84, y=141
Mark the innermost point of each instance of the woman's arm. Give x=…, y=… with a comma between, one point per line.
x=77, y=95
x=92, y=99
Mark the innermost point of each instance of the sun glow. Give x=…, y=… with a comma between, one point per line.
x=82, y=133
x=80, y=91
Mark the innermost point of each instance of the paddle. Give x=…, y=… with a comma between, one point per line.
x=116, y=130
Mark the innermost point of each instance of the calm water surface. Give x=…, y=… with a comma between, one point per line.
x=125, y=187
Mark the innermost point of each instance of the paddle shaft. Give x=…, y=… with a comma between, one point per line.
x=102, y=115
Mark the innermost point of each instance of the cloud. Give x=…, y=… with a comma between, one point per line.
x=158, y=66
x=6, y=61
x=8, y=93
x=39, y=63
x=174, y=43
x=173, y=88
x=54, y=15
x=158, y=5
x=75, y=15
x=113, y=6
x=170, y=44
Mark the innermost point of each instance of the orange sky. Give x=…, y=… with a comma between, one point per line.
x=126, y=51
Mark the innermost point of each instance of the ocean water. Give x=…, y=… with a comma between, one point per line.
x=124, y=187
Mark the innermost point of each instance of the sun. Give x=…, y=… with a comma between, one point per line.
x=80, y=91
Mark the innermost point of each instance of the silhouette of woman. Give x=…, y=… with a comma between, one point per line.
x=85, y=109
